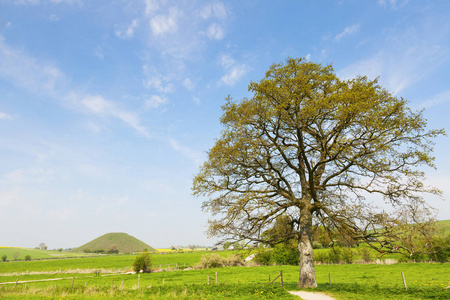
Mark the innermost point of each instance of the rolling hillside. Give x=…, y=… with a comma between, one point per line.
x=123, y=241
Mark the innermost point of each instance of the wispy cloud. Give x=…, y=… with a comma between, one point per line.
x=233, y=70
x=26, y=72
x=349, y=30
x=404, y=57
x=195, y=156
x=441, y=98
x=127, y=32
x=98, y=105
x=5, y=116
x=155, y=101
x=214, y=9
x=161, y=24
x=215, y=32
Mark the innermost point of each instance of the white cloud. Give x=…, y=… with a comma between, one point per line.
x=129, y=31
x=151, y=6
x=5, y=116
x=155, y=101
x=98, y=52
x=349, y=30
x=215, y=9
x=394, y=4
x=155, y=80
x=188, y=84
x=439, y=99
x=404, y=57
x=161, y=24
x=196, y=100
x=25, y=71
x=215, y=31
x=98, y=105
x=196, y=157
x=234, y=71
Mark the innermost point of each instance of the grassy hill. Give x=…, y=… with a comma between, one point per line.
x=123, y=241
x=445, y=224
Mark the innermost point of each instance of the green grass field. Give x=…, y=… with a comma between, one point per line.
x=370, y=281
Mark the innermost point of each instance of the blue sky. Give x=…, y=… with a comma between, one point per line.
x=108, y=107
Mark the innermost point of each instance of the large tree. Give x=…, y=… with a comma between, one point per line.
x=312, y=146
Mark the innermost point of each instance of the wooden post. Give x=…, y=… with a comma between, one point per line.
x=139, y=280
x=121, y=286
x=269, y=278
x=329, y=278
x=16, y=282
x=404, y=281
x=208, y=279
x=216, y=277
x=163, y=281
x=281, y=275
x=85, y=284
x=73, y=279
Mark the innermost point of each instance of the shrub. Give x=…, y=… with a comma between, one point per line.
x=321, y=256
x=365, y=254
x=234, y=260
x=317, y=245
x=27, y=257
x=347, y=255
x=4, y=257
x=335, y=255
x=142, y=262
x=286, y=255
x=210, y=261
x=263, y=258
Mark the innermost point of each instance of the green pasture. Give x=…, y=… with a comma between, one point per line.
x=369, y=281
x=109, y=262
x=10, y=252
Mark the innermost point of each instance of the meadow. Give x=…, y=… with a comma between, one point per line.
x=349, y=281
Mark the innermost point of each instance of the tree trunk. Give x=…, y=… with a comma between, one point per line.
x=307, y=277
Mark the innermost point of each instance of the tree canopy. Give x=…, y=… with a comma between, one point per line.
x=310, y=145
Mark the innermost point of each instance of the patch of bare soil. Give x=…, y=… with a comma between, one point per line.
x=311, y=295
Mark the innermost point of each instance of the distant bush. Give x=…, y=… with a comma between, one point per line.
x=234, y=260
x=217, y=261
x=321, y=257
x=27, y=257
x=142, y=262
x=286, y=255
x=317, y=245
x=365, y=254
x=4, y=257
x=263, y=257
x=347, y=255
x=335, y=255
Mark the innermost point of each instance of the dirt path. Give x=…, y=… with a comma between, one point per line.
x=311, y=295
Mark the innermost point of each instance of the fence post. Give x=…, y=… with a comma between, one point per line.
x=404, y=281
x=281, y=275
x=139, y=280
x=329, y=278
x=163, y=281
x=216, y=277
x=16, y=282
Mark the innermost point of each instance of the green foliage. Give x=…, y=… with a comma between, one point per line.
x=4, y=257
x=27, y=257
x=347, y=255
x=216, y=261
x=365, y=254
x=285, y=254
x=142, y=263
x=335, y=255
x=263, y=257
